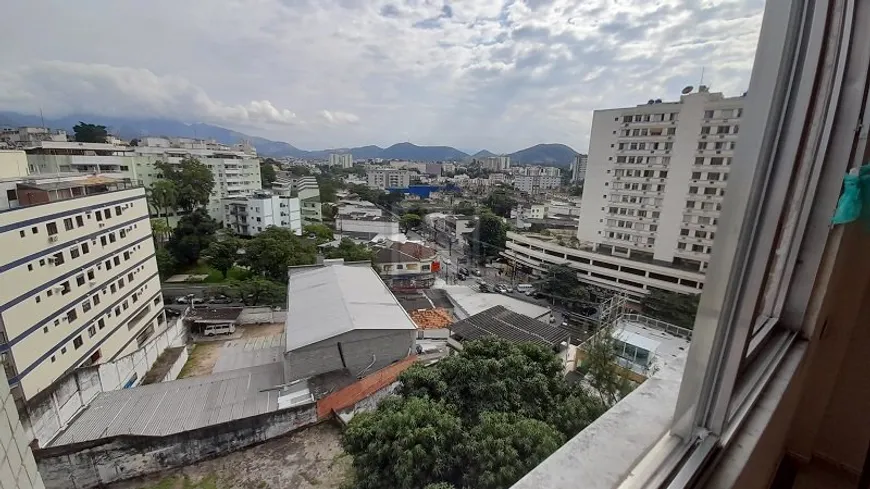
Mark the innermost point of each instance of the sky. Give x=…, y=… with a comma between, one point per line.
x=473, y=74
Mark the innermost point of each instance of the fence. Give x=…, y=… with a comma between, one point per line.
x=58, y=405
x=659, y=325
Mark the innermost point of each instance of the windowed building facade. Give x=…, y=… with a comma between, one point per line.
x=86, y=290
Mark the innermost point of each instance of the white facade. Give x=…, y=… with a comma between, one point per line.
x=17, y=465
x=80, y=253
x=388, y=178
x=365, y=227
x=656, y=177
x=252, y=214
x=496, y=163
x=578, y=168
x=344, y=160
x=236, y=169
x=533, y=184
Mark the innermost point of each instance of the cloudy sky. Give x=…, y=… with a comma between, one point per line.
x=495, y=74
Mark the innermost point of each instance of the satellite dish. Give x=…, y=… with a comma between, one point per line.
x=658, y=100
x=650, y=102
x=687, y=90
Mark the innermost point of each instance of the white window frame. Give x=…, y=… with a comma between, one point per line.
x=807, y=124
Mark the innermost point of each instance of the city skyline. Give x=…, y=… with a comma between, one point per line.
x=331, y=74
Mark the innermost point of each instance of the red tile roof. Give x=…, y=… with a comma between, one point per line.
x=362, y=388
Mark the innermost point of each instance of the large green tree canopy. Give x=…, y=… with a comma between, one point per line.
x=193, y=234
x=192, y=179
x=270, y=253
x=672, y=307
x=480, y=419
x=90, y=133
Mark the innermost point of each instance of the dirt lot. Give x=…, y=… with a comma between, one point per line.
x=311, y=458
x=204, y=355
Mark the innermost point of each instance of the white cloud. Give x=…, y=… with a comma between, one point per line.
x=336, y=117
x=488, y=74
x=64, y=87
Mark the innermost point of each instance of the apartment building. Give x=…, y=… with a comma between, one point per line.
x=388, y=178
x=344, y=160
x=534, y=184
x=496, y=163
x=17, y=466
x=308, y=192
x=251, y=214
x=236, y=168
x=655, y=181
x=578, y=168
x=79, y=251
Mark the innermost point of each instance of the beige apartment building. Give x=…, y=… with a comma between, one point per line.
x=236, y=168
x=654, y=183
x=81, y=280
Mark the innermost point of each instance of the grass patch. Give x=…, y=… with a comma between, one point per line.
x=190, y=364
x=214, y=276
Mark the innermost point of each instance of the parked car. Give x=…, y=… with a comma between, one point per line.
x=220, y=299
x=507, y=287
x=192, y=300
x=216, y=329
x=501, y=289
x=463, y=271
x=476, y=272
x=524, y=287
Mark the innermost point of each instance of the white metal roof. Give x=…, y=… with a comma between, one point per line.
x=637, y=340
x=332, y=300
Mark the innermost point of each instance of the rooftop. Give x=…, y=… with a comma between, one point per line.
x=407, y=251
x=43, y=189
x=472, y=302
x=499, y=321
x=337, y=298
x=165, y=408
x=431, y=318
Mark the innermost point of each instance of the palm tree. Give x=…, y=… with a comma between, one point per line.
x=161, y=230
x=163, y=195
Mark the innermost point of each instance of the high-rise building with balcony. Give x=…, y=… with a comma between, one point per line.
x=79, y=251
x=578, y=168
x=252, y=214
x=656, y=176
x=654, y=184
x=343, y=160
x=388, y=178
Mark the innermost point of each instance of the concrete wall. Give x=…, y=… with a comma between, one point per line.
x=90, y=464
x=57, y=406
x=358, y=349
x=261, y=315
x=175, y=370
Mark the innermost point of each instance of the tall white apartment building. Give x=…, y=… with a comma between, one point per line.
x=344, y=160
x=578, y=168
x=236, y=168
x=308, y=192
x=388, y=178
x=534, y=184
x=252, y=214
x=496, y=163
x=79, y=251
x=655, y=181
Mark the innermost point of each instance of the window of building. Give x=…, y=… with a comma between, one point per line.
x=708, y=114
x=86, y=306
x=702, y=146
x=92, y=331
x=101, y=323
x=107, y=214
x=80, y=221
x=99, y=216
x=85, y=249
x=51, y=228
x=117, y=210
x=71, y=315
x=80, y=280
x=122, y=233
x=722, y=129
x=111, y=237
x=716, y=161
x=78, y=342
x=116, y=260
x=103, y=240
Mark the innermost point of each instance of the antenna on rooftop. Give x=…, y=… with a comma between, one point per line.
x=41, y=117
x=701, y=82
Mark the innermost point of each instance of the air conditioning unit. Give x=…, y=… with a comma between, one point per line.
x=50, y=259
x=53, y=239
x=92, y=283
x=102, y=224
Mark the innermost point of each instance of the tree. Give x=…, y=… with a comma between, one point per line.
x=222, y=254
x=409, y=221
x=258, y=291
x=576, y=190
x=489, y=236
x=166, y=264
x=134, y=142
x=163, y=194
x=270, y=253
x=322, y=233
x=405, y=444
x=504, y=447
x=193, y=234
x=161, y=231
x=267, y=172
x=193, y=181
x=90, y=133
x=563, y=285
x=464, y=208
x=600, y=370
x=501, y=203
x=328, y=211
x=350, y=251
x=671, y=307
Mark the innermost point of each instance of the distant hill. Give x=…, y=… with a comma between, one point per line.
x=408, y=151
x=550, y=154
x=128, y=128
x=483, y=154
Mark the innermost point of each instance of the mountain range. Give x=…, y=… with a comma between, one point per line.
x=128, y=128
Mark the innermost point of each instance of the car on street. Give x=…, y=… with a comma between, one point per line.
x=184, y=300
x=507, y=287
x=501, y=289
x=220, y=299
x=463, y=271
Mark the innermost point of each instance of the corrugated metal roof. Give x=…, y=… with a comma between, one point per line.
x=172, y=407
x=331, y=300
x=500, y=322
